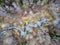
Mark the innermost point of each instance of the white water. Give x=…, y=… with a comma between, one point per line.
x=38, y=23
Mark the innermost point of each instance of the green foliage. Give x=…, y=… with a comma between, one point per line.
x=52, y=34
x=20, y=3
x=0, y=2
x=57, y=35
x=35, y=1
x=10, y=2
x=45, y=1
x=23, y=43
